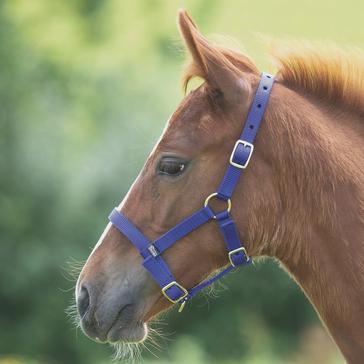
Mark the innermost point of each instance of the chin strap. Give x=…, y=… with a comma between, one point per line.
x=151, y=250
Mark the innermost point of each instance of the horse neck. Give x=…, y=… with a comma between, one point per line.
x=318, y=155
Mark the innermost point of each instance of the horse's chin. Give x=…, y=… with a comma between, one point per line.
x=134, y=334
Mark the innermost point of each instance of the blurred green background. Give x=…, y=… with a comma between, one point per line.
x=85, y=89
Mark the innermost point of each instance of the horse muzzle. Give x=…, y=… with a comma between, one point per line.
x=109, y=317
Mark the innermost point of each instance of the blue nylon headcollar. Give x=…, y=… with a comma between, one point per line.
x=151, y=251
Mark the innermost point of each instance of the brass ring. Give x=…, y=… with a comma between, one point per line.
x=214, y=195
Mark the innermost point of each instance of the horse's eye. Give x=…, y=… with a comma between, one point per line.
x=171, y=166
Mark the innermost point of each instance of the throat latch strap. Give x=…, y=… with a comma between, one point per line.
x=151, y=251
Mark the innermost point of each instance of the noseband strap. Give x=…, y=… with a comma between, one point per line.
x=151, y=250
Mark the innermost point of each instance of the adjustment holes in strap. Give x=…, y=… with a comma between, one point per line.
x=259, y=106
x=268, y=76
x=265, y=88
x=251, y=126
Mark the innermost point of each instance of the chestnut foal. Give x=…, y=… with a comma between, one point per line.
x=301, y=199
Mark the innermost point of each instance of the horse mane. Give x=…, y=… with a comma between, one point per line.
x=327, y=72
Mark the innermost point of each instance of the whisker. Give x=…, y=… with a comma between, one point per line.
x=66, y=290
x=72, y=269
x=72, y=314
x=145, y=346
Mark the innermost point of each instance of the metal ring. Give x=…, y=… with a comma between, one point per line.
x=214, y=195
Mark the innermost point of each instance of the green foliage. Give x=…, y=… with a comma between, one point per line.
x=81, y=81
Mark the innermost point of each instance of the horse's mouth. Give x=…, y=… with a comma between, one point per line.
x=135, y=334
x=126, y=329
x=123, y=327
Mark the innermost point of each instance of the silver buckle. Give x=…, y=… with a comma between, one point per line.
x=169, y=285
x=153, y=250
x=246, y=144
x=241, y=249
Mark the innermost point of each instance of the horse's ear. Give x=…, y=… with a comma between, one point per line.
x=210, y=62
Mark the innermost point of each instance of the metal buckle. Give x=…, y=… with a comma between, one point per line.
x=169, y=285
x=246, y=144
x=213, y=195
x=153, y=250
x=241, y=249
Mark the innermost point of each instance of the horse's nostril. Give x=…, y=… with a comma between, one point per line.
x=83, y=301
